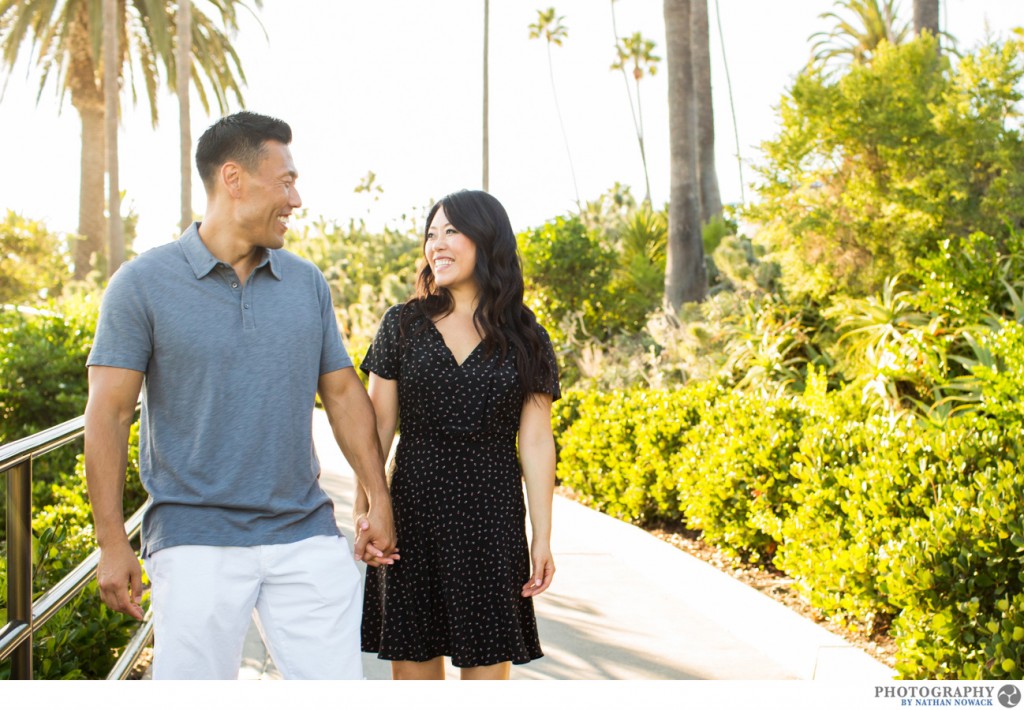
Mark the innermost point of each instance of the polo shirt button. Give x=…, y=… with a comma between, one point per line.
x=246, y=306
x=234, y=284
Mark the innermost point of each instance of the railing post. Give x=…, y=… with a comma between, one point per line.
x=19, y=562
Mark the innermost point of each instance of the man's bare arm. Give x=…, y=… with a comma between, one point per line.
x=113, y=393
x=354, y=425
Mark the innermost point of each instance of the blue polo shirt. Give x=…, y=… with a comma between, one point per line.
x=231, y=370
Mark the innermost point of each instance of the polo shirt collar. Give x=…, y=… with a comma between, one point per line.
x=203, y=262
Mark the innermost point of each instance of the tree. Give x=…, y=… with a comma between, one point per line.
x=640, y=52
x=549, y=25
x=881, y=168
x=710, y=198
x=115, y=229
x=183, y=29
x=486, y=128
x=65, y=39
x=33, y=261
x=685, y=277
x=732, y=104
x=855, y=40
x=926, y=16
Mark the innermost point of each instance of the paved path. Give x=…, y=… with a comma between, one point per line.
x=625, y=605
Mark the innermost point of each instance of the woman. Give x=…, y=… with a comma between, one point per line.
x=469, y=371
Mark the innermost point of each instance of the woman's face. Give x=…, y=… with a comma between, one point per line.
x=450, y=254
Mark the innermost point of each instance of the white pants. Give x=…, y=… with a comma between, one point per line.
x=305, y=597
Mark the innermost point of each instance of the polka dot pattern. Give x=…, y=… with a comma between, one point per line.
x=459, y=509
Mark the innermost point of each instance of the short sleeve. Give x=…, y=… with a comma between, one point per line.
x=333, y=355
x=548, y=385
x=384, y=356
x=124, y=332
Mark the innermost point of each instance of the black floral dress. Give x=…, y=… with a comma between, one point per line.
x=460, y=514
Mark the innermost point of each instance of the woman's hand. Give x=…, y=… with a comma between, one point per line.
x=373, y=551
x=543, y=570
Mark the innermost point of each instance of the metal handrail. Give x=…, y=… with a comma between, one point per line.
x=43, y=442
x=126, y=662
x=24, y=615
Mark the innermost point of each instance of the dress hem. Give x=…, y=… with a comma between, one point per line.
x=457, y=663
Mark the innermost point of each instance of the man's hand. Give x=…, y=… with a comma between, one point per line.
x=119, y=576
x=375, y=538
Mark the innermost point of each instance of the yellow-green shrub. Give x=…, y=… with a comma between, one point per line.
x=880, y=517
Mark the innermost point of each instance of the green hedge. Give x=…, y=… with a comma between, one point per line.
x=617, y=455
x=82, y=640
x=887, y=522
x=43, y=382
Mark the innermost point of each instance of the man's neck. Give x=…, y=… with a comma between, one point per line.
x=230, y=248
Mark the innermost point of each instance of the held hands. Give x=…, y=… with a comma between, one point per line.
x=543, y=570
x=119, y=576
x=375, y=539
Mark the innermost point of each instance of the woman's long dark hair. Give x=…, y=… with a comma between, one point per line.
x=506, y=323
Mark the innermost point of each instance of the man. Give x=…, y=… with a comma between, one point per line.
x=229, y=338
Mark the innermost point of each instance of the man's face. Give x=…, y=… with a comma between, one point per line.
x=269, y=196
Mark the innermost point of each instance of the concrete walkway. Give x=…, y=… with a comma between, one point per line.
x=625, y=605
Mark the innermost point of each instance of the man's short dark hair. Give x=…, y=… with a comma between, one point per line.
x=239, y=137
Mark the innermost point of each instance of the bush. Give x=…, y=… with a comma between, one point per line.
x=854, y=494
x=887, y=522
x=43, y=379
x=961, y=582
x=43, y=382
x=34, y=262
x=567, y=269
x=732, y=472
x=83, y=639
x=368, y=272
x=871, y=171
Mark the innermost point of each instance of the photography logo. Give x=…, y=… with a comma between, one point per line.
x=1009, y=696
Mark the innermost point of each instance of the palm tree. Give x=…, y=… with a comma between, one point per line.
x=486, y=131
x=732, y=104
x=183, y=30
x=625, y=80
x=65, y=39
x=640, y=52
x=549, y=25
x=926, y=16
x=115, y=255
x=710, y=197
x=854, y=40
x=685, y=277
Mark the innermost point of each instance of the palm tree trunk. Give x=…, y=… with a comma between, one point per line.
x=732, y=104
x=710, y=197
x=640, y=137
x=561, y=124
x=637, y=124
x=926, y=16
x=111, y=91
x=486, y=128
x=184, y=67
x=92, y=224
x=685, y=278
x=88, y=100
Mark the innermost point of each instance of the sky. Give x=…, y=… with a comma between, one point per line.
x=395, y=87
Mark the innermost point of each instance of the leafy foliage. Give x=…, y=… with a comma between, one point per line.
x=882, y=521
x=34, y=262
x=82, y=640
x=68, y=35
x=567, y=269
x=42, y=364
x=367, y=272
x=870, y=172
x=855, y=39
